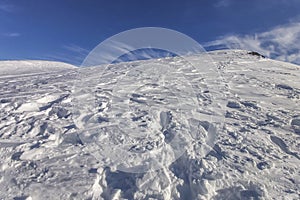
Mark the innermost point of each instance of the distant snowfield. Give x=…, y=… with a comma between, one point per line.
x=43, y=154
x=24, y=67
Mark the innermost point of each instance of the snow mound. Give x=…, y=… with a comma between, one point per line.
x=22, y=67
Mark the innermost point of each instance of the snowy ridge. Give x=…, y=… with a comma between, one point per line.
x=31, y=67
x=256, y=154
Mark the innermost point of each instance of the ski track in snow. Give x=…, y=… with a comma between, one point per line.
x=256, y=155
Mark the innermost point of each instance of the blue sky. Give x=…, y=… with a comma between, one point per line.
x=66, y=30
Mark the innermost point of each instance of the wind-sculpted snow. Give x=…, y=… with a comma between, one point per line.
x=143, y=114
x=51, y=149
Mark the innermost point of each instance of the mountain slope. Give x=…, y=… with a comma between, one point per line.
x=31, y=67
x=45, y=153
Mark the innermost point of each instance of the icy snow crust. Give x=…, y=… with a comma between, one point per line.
x=45, y=154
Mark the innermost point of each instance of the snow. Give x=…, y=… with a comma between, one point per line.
x=47, y=131
x=13, y=68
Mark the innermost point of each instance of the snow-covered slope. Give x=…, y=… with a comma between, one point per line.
x=31, y=67
x=43, y=154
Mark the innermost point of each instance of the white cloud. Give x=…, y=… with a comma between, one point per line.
x=282, y=42
x=71, y=53
x=223, y=3
x=11, y=34
x=6, y=7
x=76, y=49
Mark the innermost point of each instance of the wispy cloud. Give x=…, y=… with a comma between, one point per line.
x=281, y=43
x=7, y=8
x=71, y=53
x=76, y=49
x=223, y=3
x=114, y=51
x=14, y=34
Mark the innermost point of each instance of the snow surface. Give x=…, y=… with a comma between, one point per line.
x=13, y=68
x=255, y=156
